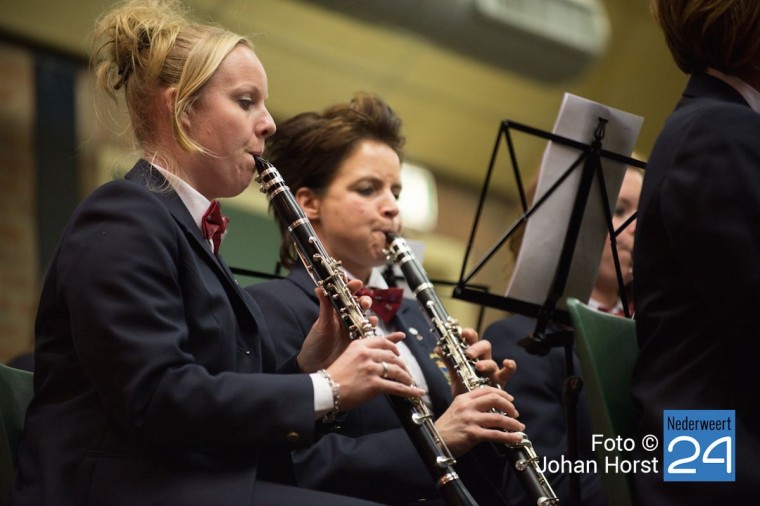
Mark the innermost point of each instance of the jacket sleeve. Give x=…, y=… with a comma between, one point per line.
x=129, y=277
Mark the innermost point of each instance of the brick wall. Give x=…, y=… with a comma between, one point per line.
x=19, y=278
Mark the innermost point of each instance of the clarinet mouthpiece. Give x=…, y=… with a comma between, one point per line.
x=261, y=164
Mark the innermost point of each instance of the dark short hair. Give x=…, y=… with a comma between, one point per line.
x=309, y=148
x=721, y=34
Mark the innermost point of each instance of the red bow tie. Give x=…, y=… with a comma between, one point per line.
x=385, y=302
x=214, y=225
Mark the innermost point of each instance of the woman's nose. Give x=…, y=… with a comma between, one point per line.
x=267, y=126
x=390, y=205
x=631, y=228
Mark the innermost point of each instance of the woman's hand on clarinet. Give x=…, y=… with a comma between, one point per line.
x=485, y=366
x=328, y=337
x=370, y=367
x=469, y=420
x=364, y=368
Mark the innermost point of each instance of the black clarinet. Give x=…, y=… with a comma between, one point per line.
x=327, y=274
x=522, y=455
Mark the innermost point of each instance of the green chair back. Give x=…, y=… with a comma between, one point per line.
x=16, y=391
x=607, y=349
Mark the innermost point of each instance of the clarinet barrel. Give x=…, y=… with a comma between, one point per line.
x=522, y=456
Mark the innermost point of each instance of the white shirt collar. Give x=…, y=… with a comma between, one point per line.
x=196, y=203
x=750, y=94
x=376, y=279
x=595, y=304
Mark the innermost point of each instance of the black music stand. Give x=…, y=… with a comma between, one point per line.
x=258, y=274
x=545, y=337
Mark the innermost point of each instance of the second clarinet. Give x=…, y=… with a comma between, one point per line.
x=522, y=456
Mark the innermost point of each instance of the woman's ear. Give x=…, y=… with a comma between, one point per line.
x=167, y=97
x=161, y=111
x=309, y=202
x=168, y=100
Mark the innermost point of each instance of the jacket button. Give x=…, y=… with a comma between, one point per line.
x=293, y=437
x=416, y=333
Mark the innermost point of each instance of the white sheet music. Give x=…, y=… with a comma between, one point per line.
x=545, y=230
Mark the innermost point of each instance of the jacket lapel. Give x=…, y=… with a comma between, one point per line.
x=148, y=176
x=300, y=276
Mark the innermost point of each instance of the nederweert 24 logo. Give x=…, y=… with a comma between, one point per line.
x=699, y=445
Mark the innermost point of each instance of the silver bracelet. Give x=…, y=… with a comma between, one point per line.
x=331, y=416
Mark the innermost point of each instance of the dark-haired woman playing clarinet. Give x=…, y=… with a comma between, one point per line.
x=344, y=167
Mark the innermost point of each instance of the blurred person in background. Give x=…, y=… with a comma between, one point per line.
x=697, y=275
x=539, y=384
